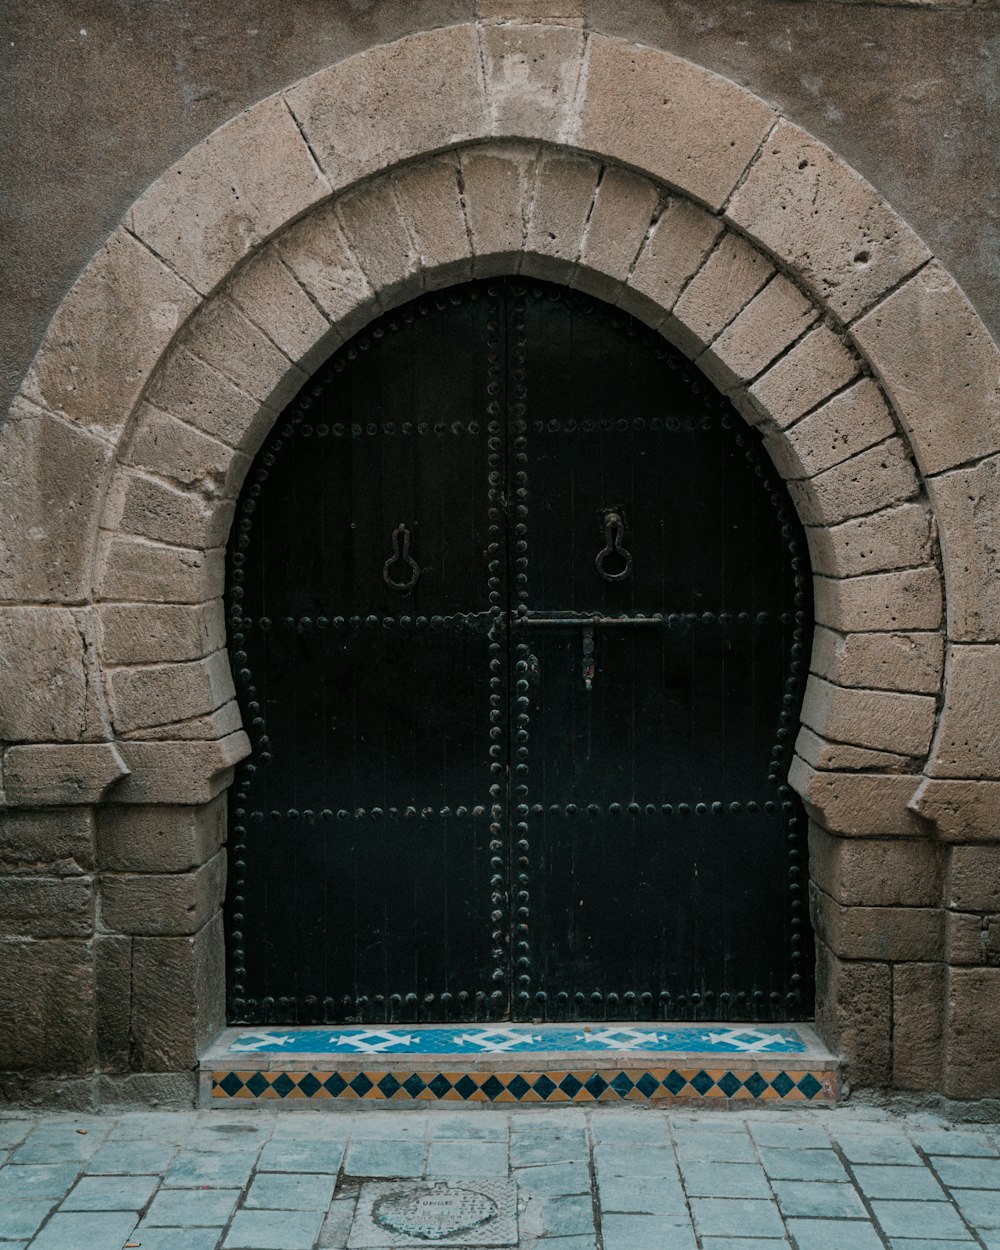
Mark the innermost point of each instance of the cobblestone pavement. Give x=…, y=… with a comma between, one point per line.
x=600, y=1179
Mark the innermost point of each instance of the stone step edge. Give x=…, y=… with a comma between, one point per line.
x=736, y=1079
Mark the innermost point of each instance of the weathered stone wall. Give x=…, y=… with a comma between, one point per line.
x=906, y=93
x=545, y=148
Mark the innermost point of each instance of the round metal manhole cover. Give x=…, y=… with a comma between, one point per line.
x=435, y=1214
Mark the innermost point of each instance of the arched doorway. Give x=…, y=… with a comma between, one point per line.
x=518, y=611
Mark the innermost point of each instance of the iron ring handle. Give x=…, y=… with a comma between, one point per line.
x=401, y=556
x=614, y=531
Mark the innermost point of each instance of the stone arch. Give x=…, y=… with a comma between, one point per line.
x=645, y=180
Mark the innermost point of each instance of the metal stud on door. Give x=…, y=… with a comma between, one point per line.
x=517, y=611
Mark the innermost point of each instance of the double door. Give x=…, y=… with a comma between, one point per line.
x=518, y=613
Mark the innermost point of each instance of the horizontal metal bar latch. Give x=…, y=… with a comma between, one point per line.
x=638, y=620
x=589, y=620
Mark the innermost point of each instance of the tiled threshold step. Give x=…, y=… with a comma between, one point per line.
x=507, y=1064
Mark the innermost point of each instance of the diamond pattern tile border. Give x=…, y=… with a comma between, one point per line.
x=579, y=1086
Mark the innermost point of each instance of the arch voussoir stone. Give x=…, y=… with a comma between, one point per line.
x=229, y=194
x=430, y=200
x=430, y=85
x=676, y=122
x=642, y=179
x=624, y=209
x=108, y=335
x=824, y=223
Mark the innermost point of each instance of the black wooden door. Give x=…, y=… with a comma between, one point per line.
x=518, y=614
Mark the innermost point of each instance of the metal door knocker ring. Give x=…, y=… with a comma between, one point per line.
x=401, y=555
x=614, y=532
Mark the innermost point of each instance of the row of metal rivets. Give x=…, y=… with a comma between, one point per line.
x=497, y=751
x=459, y=620
x=716, y=808
x=387, y=429
x=620, y=425
x=796, y=671
x=595, y=998
x=519, y=909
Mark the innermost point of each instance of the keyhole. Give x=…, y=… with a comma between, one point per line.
x=613, y=562
x=400, y=572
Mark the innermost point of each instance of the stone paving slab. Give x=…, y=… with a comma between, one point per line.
x=603, y=1178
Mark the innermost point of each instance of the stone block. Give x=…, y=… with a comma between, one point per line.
x=186, y=773
x=907, y=600
x=158, y=633
x=685, y=126
x=429, y=84
x=529, y=10
x=59, y=840
x=63, y=775
x=770, y=323
x=562, y=200
x=168, y=904
x=46, y=1008
x=225, y=720
x=858, y=872
x=531, y=78
x=162, y=693
x=918, y=1010
x=136, y=570
x=974, y=878
x=993, y=940
x=497, y=186
x=226, y=339
x=877, y=933
x=897, y=537
x=229, y=194
x=178, y=998
x=159, y=1091
x=967, y=939
x=861, y=805
x=825, y=222
x=939, y=367
x=854, y=1015
x=851, y=421
x=112, y=1002
x=881, y=661
x=141, y=504
x=429, y=197
x=198, y=394
x=674, y=250
x=134, y=838
x=968, y=740
x=727, y=281
x=49, y=685
x=967, y=506
x=960, y=811
x=108, y=334
x=377, y=234
x=840, y=757
x=972, y=1045
x=174, y=450
x=316, y=252
x=623, y=210
x=817, y=365
x=868, y=482
x=881, y=719
x=265, y=289
x=46, y=907
x=72, y=1094
x=52, y=480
